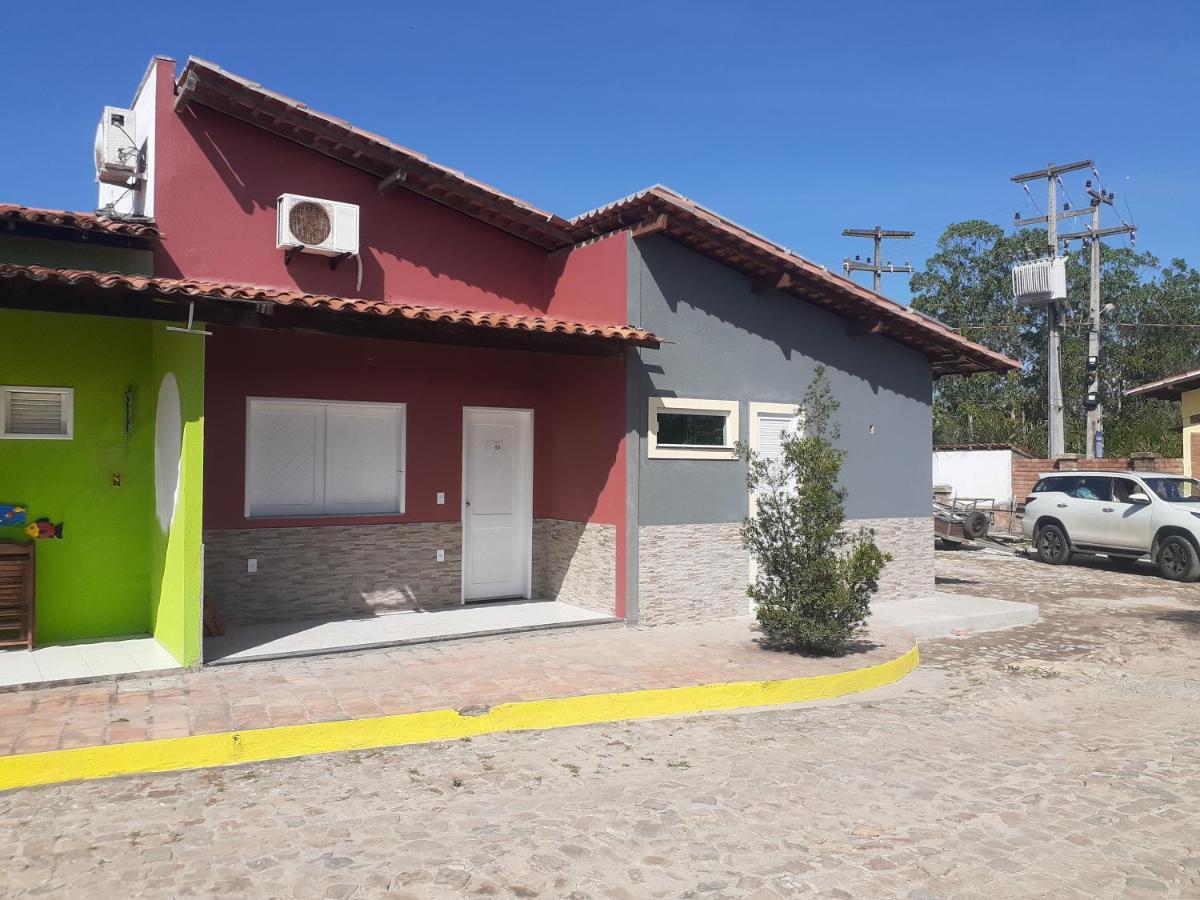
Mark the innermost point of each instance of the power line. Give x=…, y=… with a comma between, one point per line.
x=1029, y=196
x=1079, y=326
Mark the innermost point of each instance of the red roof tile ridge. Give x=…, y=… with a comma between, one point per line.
x=81, y=221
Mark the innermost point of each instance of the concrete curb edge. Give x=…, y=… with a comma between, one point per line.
x=289, y=741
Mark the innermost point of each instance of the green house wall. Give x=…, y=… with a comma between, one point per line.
x=116, y=571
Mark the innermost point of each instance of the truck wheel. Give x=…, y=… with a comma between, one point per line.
x=975, y=525
x=1177, y=559
x=1052, y=545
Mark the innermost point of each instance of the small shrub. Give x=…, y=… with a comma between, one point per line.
x=814, y=579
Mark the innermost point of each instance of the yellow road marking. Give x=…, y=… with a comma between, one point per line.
x=284, y=742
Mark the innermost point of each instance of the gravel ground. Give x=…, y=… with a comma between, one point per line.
x=1060, y=759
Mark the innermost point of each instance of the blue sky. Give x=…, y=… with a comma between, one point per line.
x=795, y=119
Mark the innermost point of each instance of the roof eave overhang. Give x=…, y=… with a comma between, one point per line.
x=90, y=236
x=774, y=268
x=1172, y=388
x=394, y=166
x=89, y=297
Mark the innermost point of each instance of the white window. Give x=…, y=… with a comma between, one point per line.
x=682, y=428
x=324, y=458
x=769, y=423
x=36, y=413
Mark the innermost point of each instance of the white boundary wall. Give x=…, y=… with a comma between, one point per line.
x=975, y=473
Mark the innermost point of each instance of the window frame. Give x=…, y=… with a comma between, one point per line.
x=761, y=408
x=729, y=408
x=401, y=459
x=68, y=412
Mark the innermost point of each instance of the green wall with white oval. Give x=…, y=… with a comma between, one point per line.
x=122, y=567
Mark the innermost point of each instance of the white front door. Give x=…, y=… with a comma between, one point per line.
x=497, y=503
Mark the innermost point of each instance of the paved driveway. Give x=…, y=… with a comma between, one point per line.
x=1060, y=759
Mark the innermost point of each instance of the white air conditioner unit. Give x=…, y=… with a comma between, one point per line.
x=1040, y=281
x=311, y=225
x=117, y=153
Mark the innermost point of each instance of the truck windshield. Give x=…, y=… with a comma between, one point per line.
x=1175, y=490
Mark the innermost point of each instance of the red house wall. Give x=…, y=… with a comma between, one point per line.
x=579, y=421
x=578, y=403
x=216, y=184
x=217, y=181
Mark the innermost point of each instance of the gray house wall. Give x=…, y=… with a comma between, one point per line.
x=725, y=342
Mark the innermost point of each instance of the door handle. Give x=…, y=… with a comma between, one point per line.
x=1108, y=509
x=468, y=502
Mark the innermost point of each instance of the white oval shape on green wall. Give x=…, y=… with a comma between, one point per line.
x=168, y=450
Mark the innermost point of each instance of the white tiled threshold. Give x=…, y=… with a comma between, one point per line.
x=83, y=660
x=276, y=640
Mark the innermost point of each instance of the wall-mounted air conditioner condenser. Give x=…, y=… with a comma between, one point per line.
x=117, y=152
x=312, y=225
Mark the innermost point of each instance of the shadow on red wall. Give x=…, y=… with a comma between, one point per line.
x=217, y=183
x=578, y=404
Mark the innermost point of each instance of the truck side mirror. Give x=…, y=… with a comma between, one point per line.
x=1139, y=498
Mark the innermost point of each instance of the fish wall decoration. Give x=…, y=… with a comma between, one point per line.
x=44, y=530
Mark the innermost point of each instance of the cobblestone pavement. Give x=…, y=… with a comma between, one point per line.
x=1060, y=759
x=454, y=675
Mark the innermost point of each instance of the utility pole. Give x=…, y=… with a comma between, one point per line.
x=875, y=264
x=1054, y=312
x=1091, y=237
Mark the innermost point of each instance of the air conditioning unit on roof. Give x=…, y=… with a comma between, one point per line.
x=118, y=158
x=312, y=225
x=1040, y=281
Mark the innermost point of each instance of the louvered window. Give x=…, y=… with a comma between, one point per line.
x=324, y=458
x=37, y=413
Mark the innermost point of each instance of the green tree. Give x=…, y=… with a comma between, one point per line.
x=966, y=284
x=814, y=580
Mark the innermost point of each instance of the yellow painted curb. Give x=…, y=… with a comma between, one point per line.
x=235, y=747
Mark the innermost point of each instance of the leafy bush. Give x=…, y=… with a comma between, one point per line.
x=814, y=581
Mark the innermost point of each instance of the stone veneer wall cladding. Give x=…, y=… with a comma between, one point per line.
x=323, y=572
x=695, y=573
x=910, y=541
x=575, y=562
x=691, y=573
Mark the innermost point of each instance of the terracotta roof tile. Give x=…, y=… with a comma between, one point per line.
x=79, y=221
x=735, y=245
x=704, y=230
x=210, y=290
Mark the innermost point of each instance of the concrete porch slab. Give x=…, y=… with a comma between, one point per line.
x=280, y=640
x=83, y=661
x=942, y=614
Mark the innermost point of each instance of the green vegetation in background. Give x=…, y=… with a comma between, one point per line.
x=967, y=285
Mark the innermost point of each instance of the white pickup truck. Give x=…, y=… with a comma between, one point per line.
x=1124, y=515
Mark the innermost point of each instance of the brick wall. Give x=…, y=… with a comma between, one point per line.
x=319, y=573
x=575, y=562
x=1025, y=471
x=309, y=573
x=698, y=573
